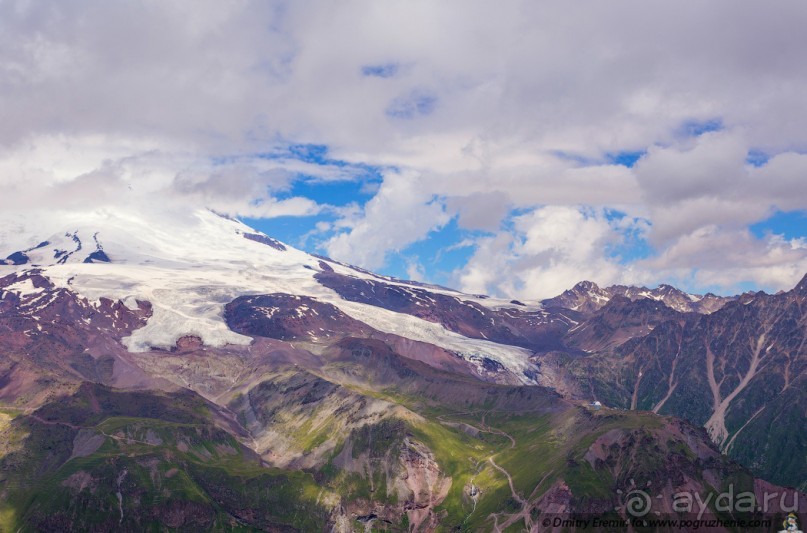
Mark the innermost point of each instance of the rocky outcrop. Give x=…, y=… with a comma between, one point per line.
x=290, y=317
x=268, y=241
x=404, y=470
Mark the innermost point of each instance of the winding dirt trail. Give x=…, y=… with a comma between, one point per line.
x=526, y=504
x=513, y=492
x=496, y=431
x=92, y=428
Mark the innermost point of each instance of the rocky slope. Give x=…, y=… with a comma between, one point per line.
x=618, y=321
x=741, y=372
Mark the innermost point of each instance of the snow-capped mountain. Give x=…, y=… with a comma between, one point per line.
x=189, y=267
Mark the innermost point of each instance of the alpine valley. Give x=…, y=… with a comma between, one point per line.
x=192, y=374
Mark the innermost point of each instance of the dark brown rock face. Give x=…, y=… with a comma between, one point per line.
x=289, y=317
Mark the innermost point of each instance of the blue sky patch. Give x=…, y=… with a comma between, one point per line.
x=288, y=229
x=358, y=186
x=440, y=254
x=695, y=128
x=413, y=105
x=578, y=159
x=318, y=154
x=385, y=70
x=757, y=158
x=625, y=159
x=297, y=231
x=310, y=153
x=337, y=193
x=634, y=245
x=789, y=224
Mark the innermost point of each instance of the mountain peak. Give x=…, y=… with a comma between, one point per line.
x=586, y=286
x=801, y=288
x=586, y=296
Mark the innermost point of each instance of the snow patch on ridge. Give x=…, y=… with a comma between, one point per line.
x=23, y=287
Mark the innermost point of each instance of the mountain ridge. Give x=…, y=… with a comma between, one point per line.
x=734, y=371
x=587, y=297
x=378, y=402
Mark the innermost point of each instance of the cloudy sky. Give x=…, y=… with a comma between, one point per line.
x=503, y=147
